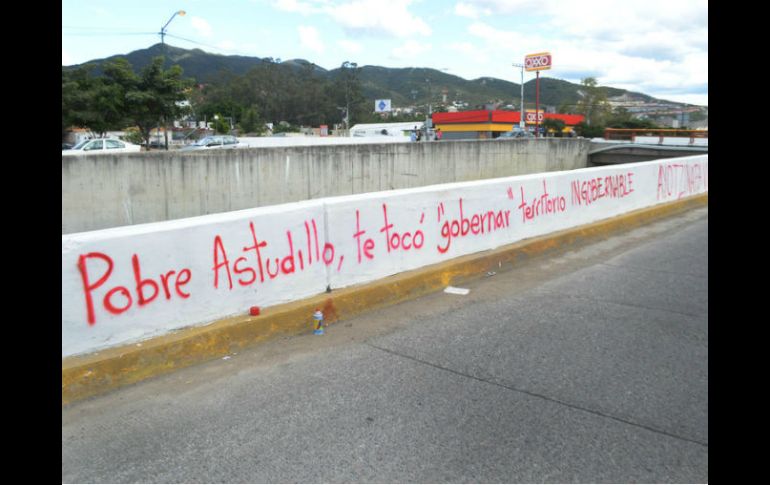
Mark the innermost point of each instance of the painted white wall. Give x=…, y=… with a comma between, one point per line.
x=349, y=243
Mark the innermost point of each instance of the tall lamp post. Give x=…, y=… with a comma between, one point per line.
x=350, y=73
x=521, y=119
x=163, y=29
x=228, y=118
x=163, y=50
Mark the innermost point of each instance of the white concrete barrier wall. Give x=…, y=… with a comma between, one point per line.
x=105, y=191
x=128, y=284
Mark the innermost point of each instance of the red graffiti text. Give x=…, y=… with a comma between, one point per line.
x=120, y=298
x=400, y=240
x=254, y=264
x=678, y=180
x=541, y=205
x=612, y=186
x=475, y=225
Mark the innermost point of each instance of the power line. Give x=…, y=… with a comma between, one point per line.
x=107, y=34
x=87, y=28
x=199, y=43
x=231, y=51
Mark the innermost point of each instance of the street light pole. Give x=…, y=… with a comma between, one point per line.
x=429, y=118
x=521, y=119
x=229, y=120
x=163, y=29
x=163, y=51
x=349, y=76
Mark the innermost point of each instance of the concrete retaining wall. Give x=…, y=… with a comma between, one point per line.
x=131, y=283
x=116, y=190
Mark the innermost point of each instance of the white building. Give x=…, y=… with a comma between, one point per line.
x=400, y=130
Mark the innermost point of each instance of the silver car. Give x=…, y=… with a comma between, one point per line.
x=210, y=142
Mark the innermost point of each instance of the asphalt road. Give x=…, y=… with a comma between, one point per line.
x=587, y=366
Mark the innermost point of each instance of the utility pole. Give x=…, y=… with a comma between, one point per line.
x=521, y=119
x=348, y=66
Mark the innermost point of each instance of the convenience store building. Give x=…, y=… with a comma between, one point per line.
x=488, y=124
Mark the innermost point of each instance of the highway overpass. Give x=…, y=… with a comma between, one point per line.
x=609, y=153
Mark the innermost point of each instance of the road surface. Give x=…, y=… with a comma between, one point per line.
x=586, y=366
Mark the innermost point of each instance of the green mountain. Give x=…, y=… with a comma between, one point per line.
x=202, y=66
x=405, y=86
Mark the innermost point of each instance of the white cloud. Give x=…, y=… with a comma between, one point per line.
x=477, y=8
x=363, y=17
x=350, y=47
x=226, y=45
x=504, y=39
x=66, y=59
x=599, y=19
x=374, y=17
x=296, y=6
x=469, y=11
x=410, y=49
x=464, y=48
x=201, y=26
x=309, y=38
x=657, y=47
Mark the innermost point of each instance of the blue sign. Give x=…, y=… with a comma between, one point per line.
x=381, y=105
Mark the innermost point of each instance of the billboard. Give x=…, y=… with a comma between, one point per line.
x=537, y=62
x=382, y=106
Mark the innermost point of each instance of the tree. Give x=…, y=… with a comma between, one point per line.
x=589, y=131
x=554, y=125
x=120, y=97
x=221, y=124
x=594, y=103
x=96, y=103
x=75, y=86
x=152, y=97
x=250, y=121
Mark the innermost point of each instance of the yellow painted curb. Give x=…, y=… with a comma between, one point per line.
x=97, y=373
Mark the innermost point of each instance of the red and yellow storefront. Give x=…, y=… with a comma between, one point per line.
x=484, y=124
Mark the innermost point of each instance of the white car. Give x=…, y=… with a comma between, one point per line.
x=101, y=146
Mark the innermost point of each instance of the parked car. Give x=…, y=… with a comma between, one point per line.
x=101, y=145
x=209, y=142
x=516, y=134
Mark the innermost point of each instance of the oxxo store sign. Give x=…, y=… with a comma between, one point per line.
x=533, y=117
x=537, y=62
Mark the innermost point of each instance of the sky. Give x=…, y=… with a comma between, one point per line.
x=655, y=47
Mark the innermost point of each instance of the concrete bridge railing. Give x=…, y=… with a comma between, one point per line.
x=117, y=190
